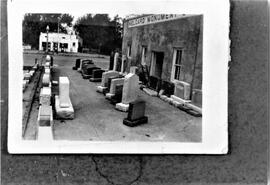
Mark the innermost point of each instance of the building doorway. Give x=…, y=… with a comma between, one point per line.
x=156, y=70
x=157, y=64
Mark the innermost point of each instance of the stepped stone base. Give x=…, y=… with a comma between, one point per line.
x=150, y=92
x=101, y=89
x=109, y=95
x=122, y=107
x=63, y=113
x=95, y=79
x=132, y=123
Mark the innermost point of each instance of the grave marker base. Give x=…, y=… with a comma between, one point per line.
x=109, y=96
x=95, y=79
x=180, y=100
x=122, y=107
x=133, y=123
x=63, y=113
x=194, y=108
x=101, y=89
x=150, y=92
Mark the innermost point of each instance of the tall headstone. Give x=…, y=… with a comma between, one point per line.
x=64, y=91
x=130, y=90
x=115, y=60
x=196, y=101
x=63, y=105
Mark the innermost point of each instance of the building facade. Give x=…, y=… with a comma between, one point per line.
x=60, y=42
x=169, y=45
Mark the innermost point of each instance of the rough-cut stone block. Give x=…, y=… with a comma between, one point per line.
x=46, y=80
x=101, y=89
x=45, y=96
x=150, y=92
x=63, y=112
x=122, y=107
x=179, y=100
x=45, y=116
x=182, y=90
x=64, y=92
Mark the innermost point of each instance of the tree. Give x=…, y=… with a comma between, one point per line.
x=33, y=24
x=99, y=32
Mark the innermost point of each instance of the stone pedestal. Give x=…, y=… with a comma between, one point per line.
x=105, y=78
x=63, y=112
x=45, y=96
x=114, y=82
x=45, y=115
x=63, y=105
x=129, y=92
x=64, y=92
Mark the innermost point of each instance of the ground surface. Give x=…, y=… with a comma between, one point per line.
x=97, y=119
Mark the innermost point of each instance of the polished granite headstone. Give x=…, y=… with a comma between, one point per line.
x=136, y=114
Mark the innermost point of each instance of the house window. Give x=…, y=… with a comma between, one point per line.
x=63, y=37
x=144, y=50
x=74, y=44
x=177, y=64
x=129, y=50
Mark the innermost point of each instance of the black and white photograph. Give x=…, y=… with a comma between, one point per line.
x=118, y=77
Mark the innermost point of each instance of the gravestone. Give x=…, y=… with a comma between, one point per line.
x=114, y=83
x=133, y=69
x=63, y=105
x=118, y=94
x=105, y=78
x=27, y=76
x=89, y=70
x=64, y=91
x=181, y=94
x=45, y=115
x=45, y=96
x=129, y=91
x=47, y=70
x=48, y=58
x=96, y=75
x=77, y=64
x=85, y=70
x=47, y=64
x=46, y=80
x=115, y=61
x=45, y=123
x=196, y=101
x=136, y=114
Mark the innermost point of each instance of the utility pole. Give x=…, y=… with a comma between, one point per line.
x=58, y=33
x=47, y=29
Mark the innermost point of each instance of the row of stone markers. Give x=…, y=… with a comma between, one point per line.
x=62, y=104
x=28, y=74
x=122, y=90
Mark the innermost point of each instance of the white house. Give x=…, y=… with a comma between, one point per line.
x=60, y=42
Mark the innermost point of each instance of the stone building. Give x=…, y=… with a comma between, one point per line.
x=60, y=42
x=168, y=45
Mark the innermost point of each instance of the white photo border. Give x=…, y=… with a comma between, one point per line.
x=216, y=54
